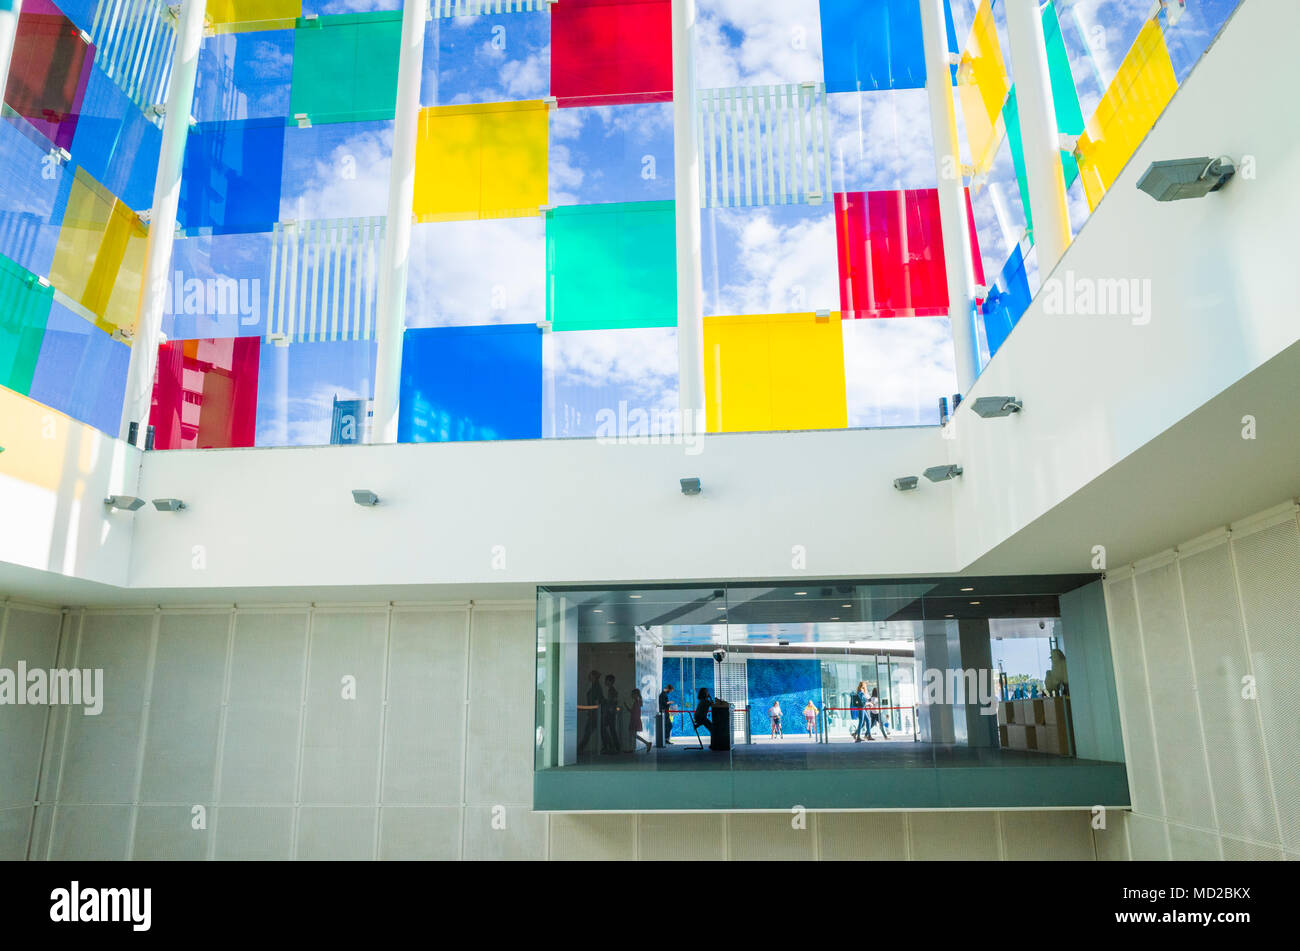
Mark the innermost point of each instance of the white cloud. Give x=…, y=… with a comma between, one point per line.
x=773, y=43
x=895, y=370
x=491, y=271
x=778, y=267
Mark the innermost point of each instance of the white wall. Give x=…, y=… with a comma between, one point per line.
x=1204, y=640
x=240, y=711
x=29, y=633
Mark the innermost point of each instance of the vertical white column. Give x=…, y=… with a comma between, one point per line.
x=9, y=12
x=162, y=218
x=394, y=261
x=1038, y=132
x=686, y=168
x=952, y=195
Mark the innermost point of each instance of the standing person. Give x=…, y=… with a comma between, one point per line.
x=810, y=718
x=875, y=714
x=594, y=699
x=609, y=742
x=774, y=712
x=857, y=709
x=666, y=704
x=702, y=710
x=634, y=720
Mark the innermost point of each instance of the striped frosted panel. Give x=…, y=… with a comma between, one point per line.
x=469, y=8
x=764, y=145
x=324, y=279
x=134, y=45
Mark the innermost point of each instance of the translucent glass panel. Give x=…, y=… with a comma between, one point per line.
x=496, y=57
x=232, y=15
x=612, y=154
x=1140, y=91
x=471, y=383
x=758, y=44
x=244, y=75
x=99, y=260
x=891, y=254
x=774, y=372
x=81, y=371
x=459, y=275
x=24, y=309
x=874, y=44
x=30, y=200
x=231, y=178
x=481, y=161
x=982, y=86
x=49, y=71
x=220, y=286
x=607, y=52
x=1007, y=300
x=205, y=394
x=610, y=383
x=338, y=170
x=345, y=67
x=882, y=140
x=896, y=370
x=315, y=394
x=115, y=143
x=777, y=259
x=611, y=265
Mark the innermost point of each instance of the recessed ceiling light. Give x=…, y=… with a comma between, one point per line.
x=800, y=594
x=634, y=595
x=720, y=608
x=974, y=602
x=947, y=615
x=598, y=610
x=609, y=622
x=834, y=619
x=846, y=605
x=968, y=589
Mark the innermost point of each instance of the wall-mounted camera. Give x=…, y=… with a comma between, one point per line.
x=719, y=655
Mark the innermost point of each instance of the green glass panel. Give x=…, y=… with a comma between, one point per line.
x=611, y=266
x=24, y=309
x=345, y=67
x=1069, y=115
x=1070, y=168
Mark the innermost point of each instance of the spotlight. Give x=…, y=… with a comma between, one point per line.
x=128, y=502
x=364, y=497
x=994, y=407
x=168, y=505
x=1186, y=178
x=690, y=486
x=942, y=473
x=906, y=483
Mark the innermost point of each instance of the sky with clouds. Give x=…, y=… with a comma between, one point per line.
x=768, y=259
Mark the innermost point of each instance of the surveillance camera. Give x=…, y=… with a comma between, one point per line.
x=1042, y=625
x=719, y=655
x=905, y=484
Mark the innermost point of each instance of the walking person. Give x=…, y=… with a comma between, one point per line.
x=810, y=718
x=634, y=720
x=609, y=742
x=594, y=698
x=858, y=710
x=874, y=705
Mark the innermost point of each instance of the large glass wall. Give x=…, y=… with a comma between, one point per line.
x=817, y=677
x=542, y=271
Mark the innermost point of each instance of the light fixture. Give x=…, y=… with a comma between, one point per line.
x=1176, y=179
x=364, y=497
x=974, y=602
x=942, y=473
x=968, y=589
x=995, y=407
x=634, y=595
x=800, y=594
x=846, y=605
x=128, y=502
x=597, y=610
x=690, y=486
x=906, y=483
x=168, y=505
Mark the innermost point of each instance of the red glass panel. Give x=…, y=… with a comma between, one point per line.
x=611, y=52
x=205, y=394
x=891, y=253
x=49, y=71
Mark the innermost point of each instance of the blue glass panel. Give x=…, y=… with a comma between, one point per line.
x=306, y=393
x=466, y=383
x=872, y=44
x=116, y=144
x=81, y=371
x=1006, y=302
x=336, y=170
x=30, y=206
x=231, y=179
x=244, y=75
x=220, y=286
x=500, y=57
x=80, y=12
x=612, y=153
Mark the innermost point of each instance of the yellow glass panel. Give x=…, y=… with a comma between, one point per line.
x=1138, y=94
x=774, y=372
x=89, y=210
x=982, y=87
x=237, y=16
x=481, y=161
x=99, y=258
